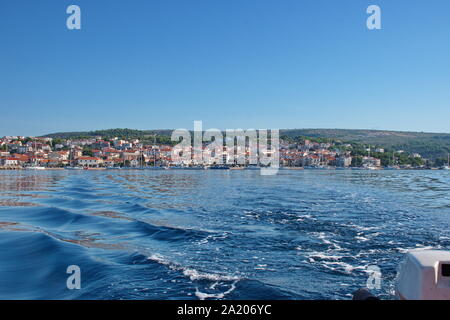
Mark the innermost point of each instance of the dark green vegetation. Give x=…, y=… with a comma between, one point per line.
x=146, y=136
x=389, y=158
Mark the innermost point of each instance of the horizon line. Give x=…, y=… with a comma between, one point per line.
x=283, y=129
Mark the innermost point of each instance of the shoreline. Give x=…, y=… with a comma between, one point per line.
x=231, y=169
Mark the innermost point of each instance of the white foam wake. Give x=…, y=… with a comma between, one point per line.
x=192, y=274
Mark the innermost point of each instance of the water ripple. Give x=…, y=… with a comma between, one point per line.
x=212, y=234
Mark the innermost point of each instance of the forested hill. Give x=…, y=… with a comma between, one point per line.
x=429, y=145
x=162, y=136
x=109, y=133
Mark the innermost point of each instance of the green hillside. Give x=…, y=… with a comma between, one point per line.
x=162, y=136
x=109, y=133
x=429, y=145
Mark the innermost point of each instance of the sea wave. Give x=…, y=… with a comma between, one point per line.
x=214, y=235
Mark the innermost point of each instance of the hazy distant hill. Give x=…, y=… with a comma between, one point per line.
x=430, y=145
x=110, y=133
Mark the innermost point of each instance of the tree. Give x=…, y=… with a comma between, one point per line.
x=87, y=152
x=357, y=161
x=57, y=141
x=440, y=162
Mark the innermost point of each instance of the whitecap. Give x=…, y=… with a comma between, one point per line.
x=220, y=295
x=191, y=273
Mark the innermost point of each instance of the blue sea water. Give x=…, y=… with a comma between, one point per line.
x=171, y=234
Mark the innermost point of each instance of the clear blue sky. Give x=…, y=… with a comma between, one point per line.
x=148, y=64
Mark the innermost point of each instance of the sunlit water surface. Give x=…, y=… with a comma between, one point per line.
x=214, y=234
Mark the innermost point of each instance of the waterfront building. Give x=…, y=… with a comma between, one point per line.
x=9, y=161
x=371, y=162
x=89, y=161
x=344, y=161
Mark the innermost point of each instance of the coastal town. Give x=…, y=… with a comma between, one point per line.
x=19, y=152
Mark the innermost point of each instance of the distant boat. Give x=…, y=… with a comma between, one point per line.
x=176, y=168
x=186, y=168
x=447, y=167
x=74, y=168
x=252, y=168
x=35, y=168
x=371, y=168
x=219, y=168
x=392, y=168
